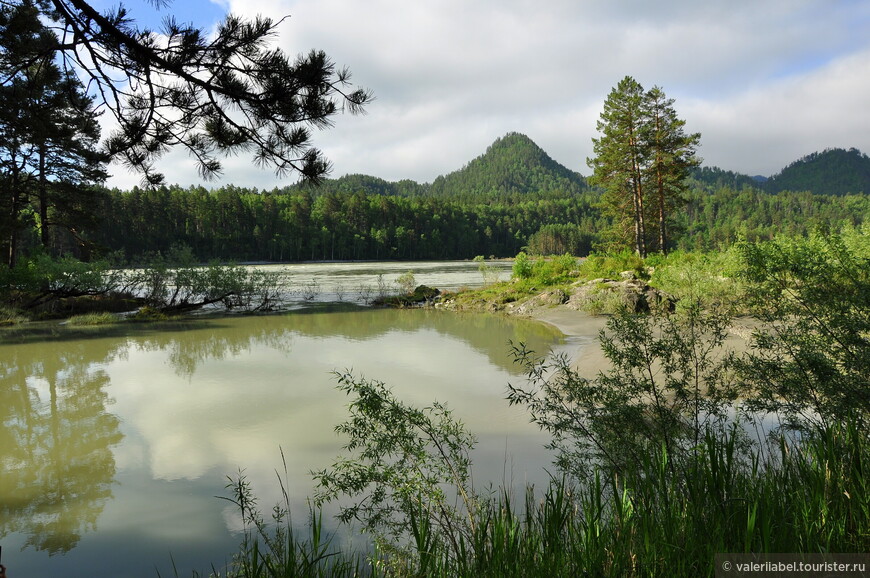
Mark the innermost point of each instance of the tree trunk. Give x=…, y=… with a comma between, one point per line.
x=639, y=221
x=43, y=201
x=13, y=231
x=663, y=239
x=660, y=186
x=14, y=210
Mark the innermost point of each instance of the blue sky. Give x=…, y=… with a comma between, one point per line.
x=764, y=81
x=199, y=12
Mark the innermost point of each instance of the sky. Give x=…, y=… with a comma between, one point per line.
x=765, y=82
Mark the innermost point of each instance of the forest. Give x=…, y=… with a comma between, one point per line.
x=656, y=476
x=512, y=198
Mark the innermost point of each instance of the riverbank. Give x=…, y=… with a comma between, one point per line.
x=587, y=359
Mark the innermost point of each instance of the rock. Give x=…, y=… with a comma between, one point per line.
x=610, y=296
x=546, y=299
x=423, y=294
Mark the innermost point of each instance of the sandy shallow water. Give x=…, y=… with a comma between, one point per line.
x=589, y=359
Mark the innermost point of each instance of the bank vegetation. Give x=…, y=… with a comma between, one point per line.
x=679, y=451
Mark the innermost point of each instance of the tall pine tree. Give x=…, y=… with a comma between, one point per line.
x=671, y=159
x=620, y=159
x=641, y=161
x=49, y=154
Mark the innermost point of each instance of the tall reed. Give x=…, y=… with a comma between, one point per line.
x=658, y=519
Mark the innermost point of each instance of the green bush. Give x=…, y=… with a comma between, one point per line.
x=399, y=464
x=522, y=268
x=543, y=272
x=611, y=265
x=811, y=356
x=489, y=273
x=148, y=314
x=185, y=286
x=711, y=279
x=41, y=279
x=406, y=282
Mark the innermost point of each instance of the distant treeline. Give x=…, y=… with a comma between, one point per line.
x=297, y=225
x=340, y=221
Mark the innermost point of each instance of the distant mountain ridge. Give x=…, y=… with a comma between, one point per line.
x=515, y=164
x=832, y=171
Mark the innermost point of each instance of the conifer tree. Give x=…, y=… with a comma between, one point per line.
x=671, y=159
x=213, y=94
x=621, y=155
x=49, y=156
x=641, y=161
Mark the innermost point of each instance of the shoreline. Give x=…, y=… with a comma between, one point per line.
x=587, y=359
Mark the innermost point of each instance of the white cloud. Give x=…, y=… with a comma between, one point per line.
x=765, y=128
x=764, y=82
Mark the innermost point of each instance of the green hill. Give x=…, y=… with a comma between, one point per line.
x=512, y=164
x=831, y=172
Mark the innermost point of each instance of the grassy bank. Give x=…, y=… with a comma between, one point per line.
x=664, y=461
x=609, y=283
x=810, y=498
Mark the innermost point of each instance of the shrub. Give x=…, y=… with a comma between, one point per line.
x=710, y=279
x=171, y=287
x=811, y=356
x=489, y=273
x=39, y=282
x=400, y=460
x=406, y=282
x=668, y=382
x=522, y=268
x=610, y=265
x=545, y=271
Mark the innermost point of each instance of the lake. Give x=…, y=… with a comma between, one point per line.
x=116, y=441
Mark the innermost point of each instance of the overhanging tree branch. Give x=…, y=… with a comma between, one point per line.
x=232, y=93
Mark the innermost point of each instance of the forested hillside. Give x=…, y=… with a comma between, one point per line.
x=512, y=164
x=716, y=178
x=512, y=198
x=236, y=224
x=832, y=172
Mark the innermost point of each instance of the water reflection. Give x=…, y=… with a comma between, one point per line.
x=126, y=432
x=56, y=438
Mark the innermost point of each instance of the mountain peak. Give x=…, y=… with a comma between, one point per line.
x=511, y=164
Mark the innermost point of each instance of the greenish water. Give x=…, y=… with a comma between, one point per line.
x=116, y=441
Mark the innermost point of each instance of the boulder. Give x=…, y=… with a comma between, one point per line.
x=610, y=296
x=422, y=295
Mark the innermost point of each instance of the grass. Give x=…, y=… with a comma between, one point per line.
x=93, y=320
x=9, y=317
x=809, y=497
x=708, y=277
